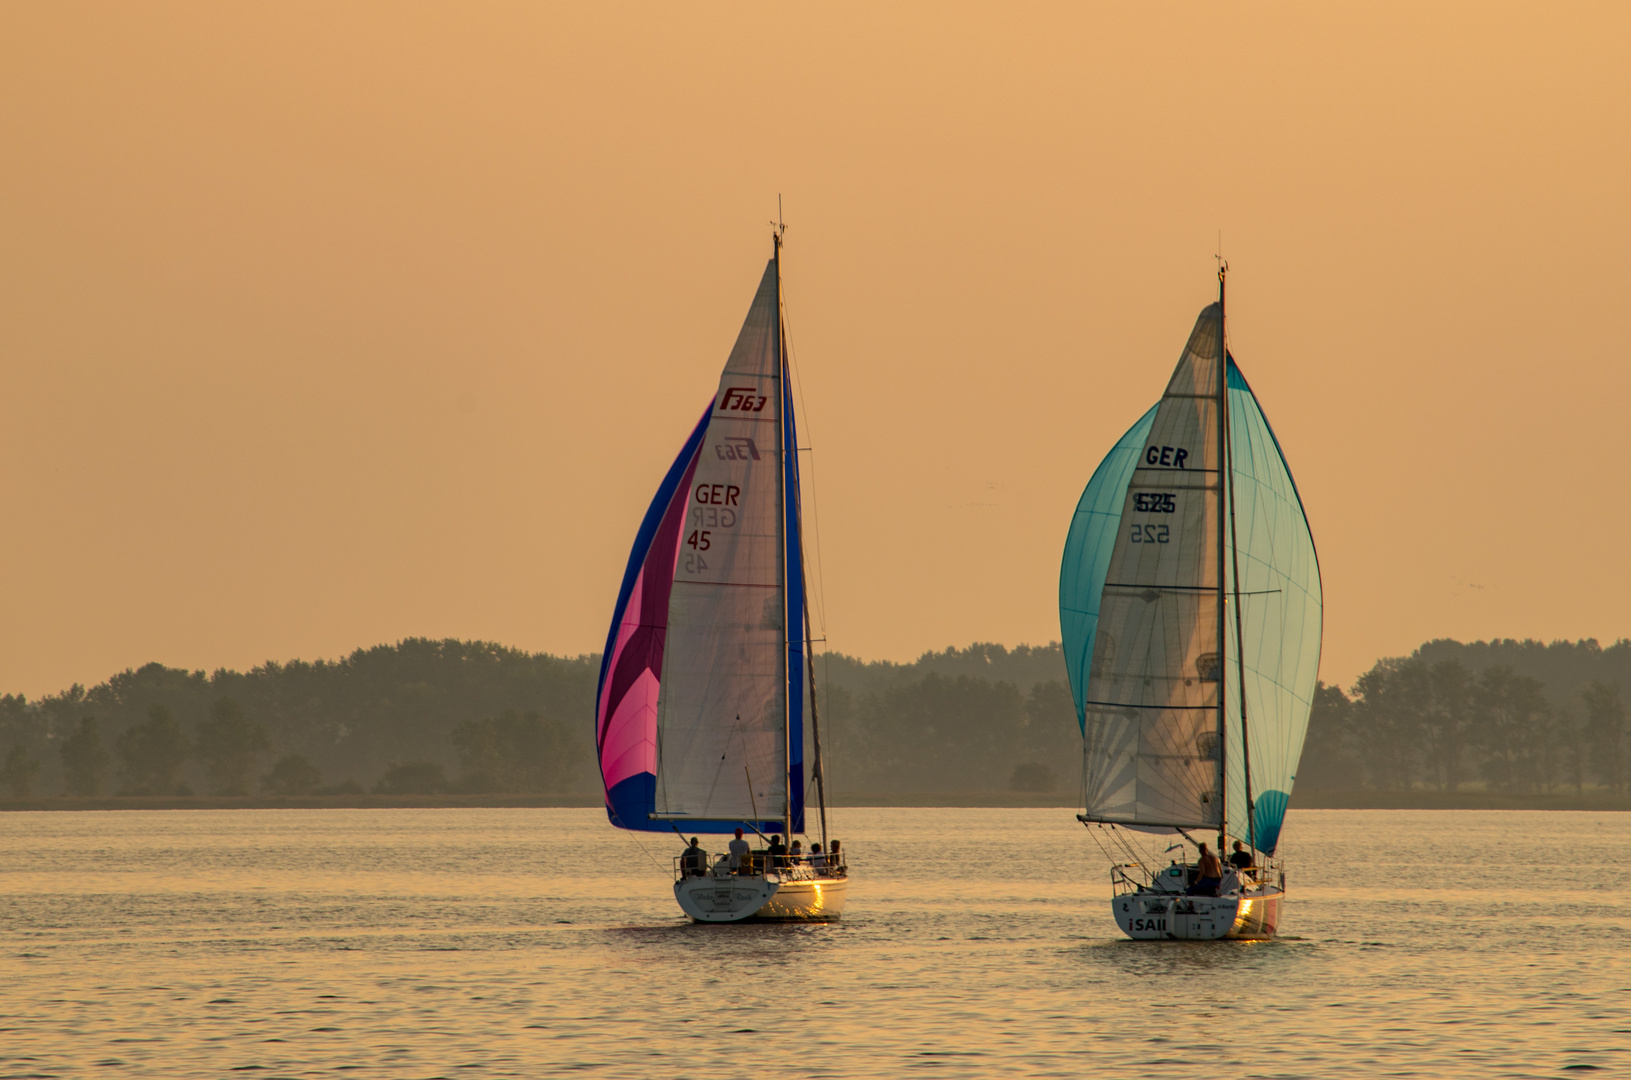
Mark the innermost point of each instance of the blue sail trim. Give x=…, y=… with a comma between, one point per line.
x=635, y=797
x=1088, y=548
x=648, y=530
x=630, y=802
x=791, y=503
x=1281, y=619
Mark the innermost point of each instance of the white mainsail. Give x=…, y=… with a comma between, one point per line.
x=1151, y=718
x=722, y=716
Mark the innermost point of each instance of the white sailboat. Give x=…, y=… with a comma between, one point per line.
x=1190, y=606
x=704, y=683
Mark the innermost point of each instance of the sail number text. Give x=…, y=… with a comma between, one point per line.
x=718, y=494
x=1149, y=534
x=1170, y=456
x=699, y=541
x=716, y=509
x=1155, y=502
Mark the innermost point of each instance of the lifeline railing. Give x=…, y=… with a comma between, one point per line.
x=1136, y=877
x=760, y=863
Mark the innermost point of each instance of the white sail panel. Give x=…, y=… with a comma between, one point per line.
x=1150, y=710
x=722, y=712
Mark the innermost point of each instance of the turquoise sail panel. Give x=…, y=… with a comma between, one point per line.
x=1092, y=538
x=1281, y=618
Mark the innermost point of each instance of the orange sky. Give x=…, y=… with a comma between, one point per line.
x=326, y=325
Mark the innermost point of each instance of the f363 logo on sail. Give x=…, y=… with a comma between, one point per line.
x=743, y=399
x=736, y=448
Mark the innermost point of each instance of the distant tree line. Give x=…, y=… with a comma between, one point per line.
x=978, y=719
x=423, y=717
x=1520, y=717
x=418, y=717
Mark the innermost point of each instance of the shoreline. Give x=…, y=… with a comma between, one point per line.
x=1303, y=800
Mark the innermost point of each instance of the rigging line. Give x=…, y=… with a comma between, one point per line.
x=630, y=834
x=1133, y=855
x=751, y=799
x=1109, y=856
x=736, y=731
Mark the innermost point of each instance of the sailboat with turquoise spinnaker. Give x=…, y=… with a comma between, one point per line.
x=1190, y=610
x=699, y=715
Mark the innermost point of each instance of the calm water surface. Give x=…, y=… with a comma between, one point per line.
x=485, y=943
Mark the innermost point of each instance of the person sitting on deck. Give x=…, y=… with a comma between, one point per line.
x=818, y=861
x=797, y=854
x=1208, y=874
x=695, y=861
x=835, y=861
x=740, y=852
x=1242, y=859
x=778, y=851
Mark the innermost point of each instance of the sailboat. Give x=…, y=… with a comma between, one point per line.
x=1190, y=608
x=699, y=715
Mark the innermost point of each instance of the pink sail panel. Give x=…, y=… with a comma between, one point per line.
x=626, y=705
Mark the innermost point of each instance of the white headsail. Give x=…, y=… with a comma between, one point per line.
x=722, y=716
x=1150, y=717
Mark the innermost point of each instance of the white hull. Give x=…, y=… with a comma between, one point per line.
x=741, y=897
x=1162, y=916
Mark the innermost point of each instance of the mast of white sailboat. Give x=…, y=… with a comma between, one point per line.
x=809, y=637
x=781, y=440
x=1234, y=555
x=1223, y=596
x=817, y=769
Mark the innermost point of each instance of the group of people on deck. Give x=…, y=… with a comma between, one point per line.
x=1209, y=871
x=743, y=859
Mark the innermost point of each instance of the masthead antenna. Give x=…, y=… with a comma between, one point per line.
x=779, y=225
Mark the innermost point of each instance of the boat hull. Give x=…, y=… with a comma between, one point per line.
x=745, y=898
x=1153, y=916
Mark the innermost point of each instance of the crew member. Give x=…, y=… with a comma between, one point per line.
x=1208, y=874
x=695, y=861
x=739, y=852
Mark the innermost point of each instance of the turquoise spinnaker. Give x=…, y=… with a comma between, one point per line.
x=1087, y=553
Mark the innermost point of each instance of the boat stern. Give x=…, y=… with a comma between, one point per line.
x=729, y=898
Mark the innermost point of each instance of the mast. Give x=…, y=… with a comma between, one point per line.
x=1240, y=649
x=1223, y=597
x=798, y=519
x=781, y=440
